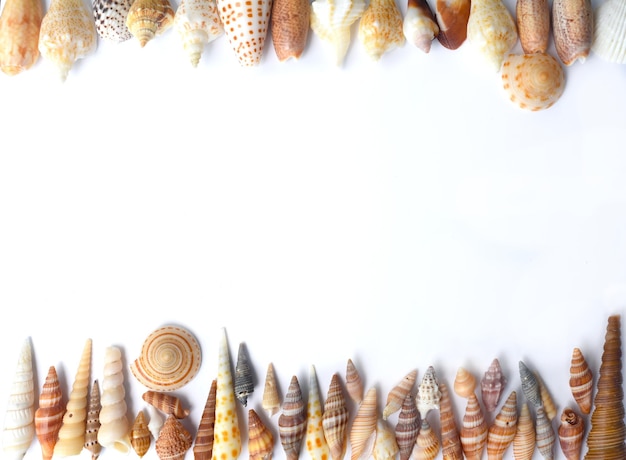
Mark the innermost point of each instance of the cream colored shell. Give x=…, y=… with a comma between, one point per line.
x=197, y=23
x=609, y=33
x=380, y=28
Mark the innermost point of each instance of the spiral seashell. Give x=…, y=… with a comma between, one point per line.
x=572, y=29
x=450, y=440
x=398, y=394
x=545, y=436
x=170, y=356
x=335, y=419
x=452, y=17
x=354, y=383
x=260, y=438
x=428, y=394
x=289, y=26
x=546, y=399
x=419, y=26
x=110, y=17
x=473, y=431
x=140, y=436
x=244, y=386
x=571, y=433
x=271, y=400
x=19, y=35
x=174, y=440
x=530, y=385
x=292, y=422
x=533, y=25
x=363, y=431
x=581, y=381
x=19, y=422
x=72, y=432
x=381, y=28
x=502, y=431
x=49, y=415
x=385, y=445
x=464, y=383
x=524, y=440
x=492, y=385
x=146, y=19
x=203, y=444
x=315, y=441
x=427, y=445
x=114, y=425
x=198, y=23
x=156, y=420
x=408, y=426
x=609, y=35
x=93, y=421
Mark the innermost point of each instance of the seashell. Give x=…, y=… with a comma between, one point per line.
x=19, y=35
x=419, y=26
x=174, y=440
x=581, y=381
x=450, y=440
x=292, y=422
x=530, y=385
x=244, y=386
x=385, y=445
x=203, y=444
x=110, y=17
x=363, y=431
x=606, y=439
x=428, y=394
x=609, y=35
x=533, y=25
x=464, y=383
x=572, y=29
x=227, y=438
x=354, y=384
x=49, y=414
x=271, y=400
x=491, y=30
x=260, y=439
x=155, y=422
x=93, y=421
x=533, y=82
x=398, y=394
x=502, y=431
x=315, y=441
x=67, y=33
x=170, y=356
x=524, y=440
x=473, y=432
x=571, y=433
x=427, y=445
x=335, y=419
x=146, y=19
x=452, y=17
x=544, y=435
x=114, y=425
x=72, y=432
x=331, y=21
x=380, y=28
x=408, y=426
x=19, y=421
x=546, y=399
x=140, y=437
x=290, y=22
x=198, y=23
x=491, y=386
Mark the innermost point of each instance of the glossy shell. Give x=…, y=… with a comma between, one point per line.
x=473, y=432
x=452, y=17
x=289, y=25
x=450, y=439
x=492, y=385
x=292, y=421
x=354, y=383
x=167, y=403
x=260, y=438
x=464, y=383
x=174, y=440
x=609, y=34
x=19, y=35
x=419, y=25
x=398, y=393
x=335, y=419
x=363, y=430
x=93, y=421
x=110, y=17
x=380, y=28
x=524, y=440
x=271, y=399
x=533, y=25
x=197, y=23
x=571, y=433
x=49, y=414
x=156, y=419
x=503, y=429
x=408, y=426
x=316, y=444
x=140, y=437
x=581, y=381
x=428, y=394
x=427, y=445
x=170, y=357
x=546, y=398
x=203, y=444
x=572, y=29
x=146, y=19
x=244, y=386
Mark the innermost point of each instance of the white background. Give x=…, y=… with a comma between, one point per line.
x=401, y=213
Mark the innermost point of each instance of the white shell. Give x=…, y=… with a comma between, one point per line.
x=428, y=394
x=155, y=420
x=385, y=444
x=197, y=23
x=419, y=26
x=609, y=38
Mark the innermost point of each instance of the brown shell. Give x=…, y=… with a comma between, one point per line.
x=203, y=444
x=524, y=440
x=398, y=393
x=450, y=440
x=174, y=440
x=260, y=438
x=408, y=426
x=503, y=429
x=548, y=403
x=140, y=437
x=581, y=381
x=427, y=445
x=289, y=26
x=166, y=403
x=146, y=19
x=452, y=17
x=492, y=385
x=49, y=415
x=292, y=421
x=473, y=431
x=571, y=432
x=93, y=421
x=335, y=419
x=572, y=29
x=533, y=25
x=354, y=383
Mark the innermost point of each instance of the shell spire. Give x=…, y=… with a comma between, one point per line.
x=292, y=422
x=260, y=438
x=315, y=441
x=427, y=445
x=492, y=385
x=545, y=435
x=571, y=433
x=381, y=28
x=244, y=386
x=20, y=23
x=428, y=394
x=450, y=439
x=524, y=440
x=146, y=19
x=397, y=395
x=530, y=385
x=581, y=381
x=203, y=444
x=49, y=415
x=408, y=426
x=93, y=421
x=335, y=419
x=140, y=437
x=198, y=23
x=503, y=429
x=474, y=430
x=271, y=400
x=174, y=440
x=354, y=383
x=363, y=431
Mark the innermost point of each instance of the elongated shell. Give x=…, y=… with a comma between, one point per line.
x=244, y=386
x=452, y=17
x=464, y=383
x=19, y=35
x=260, y=438
x=545, y=435
x=316, y=444
x=49, y=414
x=170, y=356
x=609, y=35
x=581, y=381
x=530, y=385
x=203, y=444
x=474, y=430
x=503, y=429
x=93, y=421
x=140, y=437
x=292, y=422
x=419, y=25
x=174, y=440
x=290, y=23
x=408, y=426
x=533, y=25
x=380, y=28
x=156, y=420
x=363, y=431
x=450, y=439
x=146, y=19
x=385, y=445
x=428, y=394
x=110, y=17
x=398, y=394
x=354, y=383
x=572, y=29
x=72, y=433
x=19, y=421
x=335, y=419
x=197, y=23
x=492, y=385
x=271, y=399
x=524, y=440
x=427, y=445
x=546, y=399
x=67, y=33
x=571, y=433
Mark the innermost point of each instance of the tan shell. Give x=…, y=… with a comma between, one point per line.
x=548, y=403
x=49, y=414
x=145, y=20
x=140, y=436
x=572, y=29
x=271, y=399
x=170, y=356
x=354, y=383
x=19, y=35
x=363, y=429
x=571, y=433
x=533, y=81
x=474, y=430
x=427, y=445
x=289, y=25
x=503, y=429
x=581, y=381
x=450, y=439
x=335, y=419
x=93, y=421
x=524, y=440
x=396, y=396
x=166, y=403
x=203, y=444
x=385, y=445
x=533, y=25
x=464, y=383
x=452, y=17
x=174, y=440
x=380, y=28
x=260, y=438
x=292, y=421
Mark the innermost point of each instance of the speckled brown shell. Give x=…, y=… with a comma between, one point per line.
x=571, y=433
x=533, y=25
x=174, y=440
x=289, y=27
x=49, y=414
x=572, y=29
x=203, y=444
x=166, y=403
x=581, y=381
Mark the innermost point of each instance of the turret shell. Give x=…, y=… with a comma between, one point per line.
x=271, y=399
x=545, y=435
x=450, y=439
x=464, y=383
x=203, y=444
x=93, y=421
x=354, y=383
x=244, y=385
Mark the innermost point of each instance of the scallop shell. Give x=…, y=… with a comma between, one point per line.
x=546, y=399
x=427, y=445
x=292, y=422
x=203, y=444
x=464, y=383
x=110, y=18
x=533, y=82
x=19, y=35
x=146, y=19
x=492, y=385
x=581, y=381
x=198, y=23
x=503, y=429
x=72, y=433
x=260, y=438
x=450, y=439
x=140, y=437
x=114, y=424
x=174, y=440
x=315, y=441
x=533, y=25
x=19, y=422
x=419, y=26
x=244, y=386
x=571, y=433
x=452, y=17
x=428, y=394
x=271, y=400
x=572, y=29
x=524, y=440
x=335, y=419
x=385, y=445
x=398, y=394
x=380, y=28
x=49, y=414
x=408, y=426
x=170, y=356
x=545, y=435
x=609, y=35
x=363, y=431
x=93, y=421
x=530, y=385
x=354, y=383
x=290, y=23
x=474, y=430
x=156, y=420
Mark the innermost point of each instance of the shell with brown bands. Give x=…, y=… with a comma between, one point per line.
x=335, y=419
x=93, y=421
x=408, y=426
x=503, y=429
x=354, y=383
x=581, y=381
x=260, y=438
x=174, y=440
x=292, y=422
x=474, y=430
x=364, y=426
x=140, y=437
x=49, y=415
x=166, y=403
x=524, y=440
x=450, y=440
x=203, y=444
x=398, y=393
x=571, y=433
x=427, y=445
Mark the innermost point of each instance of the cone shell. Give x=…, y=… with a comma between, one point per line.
x=545, y=435
x=354, y=383
x=244, y=386
x=271, y=400
x=380, y=28
x=464, y=383
x=428, y=394
x=492, y=385
x=19, y=35
x=175, y=359
x=503, y=429
x=524, y=440
x=292, y=422
x=110, y=17
x=49, y=414
x=260, y=438
x=609, y=35
x=197, y=23
x=363, y=431
x=385, y=445
x=546, y=399
x=174, y=440
x=533, y=25
x=315, y=441
x=290, y=23
x=170, y=356
x=398, y=394
x=450, y=439
x=452, y=17
x=572, y=29
x=335, y=419
x=427, y=445
x=571, y=433
x=408, y=426
x=473, y=431
x=140, y=437
x=581, y=381
x=419, y=26
x=93, y=421
x=203, y=444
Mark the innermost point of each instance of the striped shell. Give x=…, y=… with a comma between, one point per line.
x=398, y=394
x=546, y=399
x=289, y=25
x=385, y=445
x=380, y=28
x=49, y=414
x=464, y=383
x=110, y=17
x=292, y=421
x=335, y=419
x=19, y=35
x=530, y=385
x=271, y=400
x=581, y=381
x=166, y=403
x=140, y=437
x=146, y=19
x=452, y=17
x=93, y=421
x=492, y=385
x=533, y=25
x=363, y=431
x=260, y=438
x=197, y=23
x=203, y=444
x=354, y=383
x=524, y=440
x=174, y=440
x=427, y=445
x=503, y=429
x=572, y=29
x=571, y=433
x=545, y=435
x=473, y=432
x=244, y=386
x=170, y=357
x=315, y=441
x=419, y=25
x=450, y=439
x=609, y=35
x=428, y=394
x=408, y=426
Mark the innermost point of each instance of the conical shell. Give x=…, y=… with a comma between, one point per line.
x=408, y=426
x=503, y=429
x=473, y=431
x=49, y=414
x=385, y=445
x=140, y=437
x=93, y=421
x=203, y=444
x=419, y=26
x=292, y=422
x=174, y=440
x=354, y=383
x=316, y=444
x=363, y=431
x=524, y=440
x=260, y=438
x=609, y=35
x=167, y=403
x=492, y=385
x=110, y=17
x=146, y=19
x=464, y=383
x=581, y=381
x=545, y=435
x=533, y=25
x=156, y=420
x=381, y=28
x=398, y=394
x=335, y=419
x=427, y=445
x=571, y=433
x=271, y=399
x=19, y=35
x=572, y=29
x=450, y=439
x=198, y=23
x=290, y=23
x=530, y=385
x=244, y=386
x=428, y=394
x=546, y=399
x=170, y=356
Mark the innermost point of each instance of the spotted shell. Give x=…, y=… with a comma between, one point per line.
x=492, y=385
x=140, y=437
x=571, y=433
x=174, y=440
x=290, y=24
x=260, y=438
x=398, y=393
x=203, y=444
x=408, y=426
x=316, y=444
x=93, y=421
x=49, y=415
x=146, y=19
x=581, y=381
x=354, y=383
x=110, y=17
x=170, y=358
x=244, y=386
x=292, y=421
x=428, y=394
x=271, y=399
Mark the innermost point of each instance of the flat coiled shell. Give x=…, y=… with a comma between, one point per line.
x=385, y=445
x=464, y=383
x=354, y=383
x=609, y=34
x=571, y=433
x=292, y=422
x=166, y=403
x=140, y=437
x=503, y=429
x=203, y=444
x=244, y=386
x=316, y=444
x=398, y=393
x=363, y=431
x=581, y=381
x=492, y=385
x=93, y=421
x=174, y=440
x=450, y=439
x=260, y=438
x=474, y=430
x=110, y=17
x=148, y=18
x=170, y=358
x=545, y=435
x=428, y=394
x=49, y=414
x=271, y=399
x=524, y=440
x=408, y=426
x=335, y=419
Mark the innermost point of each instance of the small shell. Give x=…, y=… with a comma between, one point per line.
x=260, y=438
x=427, y=445
x=385, y=445
x=533, y=25
x=363, y=431
x=533, y=82
x=609, y=35
x=335, y=419
x=19, y=35
x=398, y=394
x=146, y=19
x=473, y=431
x=545, y=435
x=290, y=23
x=581, y=381
x=354, y=383
x=271, y=400
x=110, y=17
x=170, y=356
x=93, y=421
x=198, y=23
x=452, y=17
x=203, y=444
x=530, y=385
x=546, y=399
x=315, y=441
x=380, y=28
x=156, y=420
x=244, y=386
x=49, y=415
x=503, y=429
x=492, y=385
x=174, y=440
x=419, y=26
x=464, y=383
x=292, y=422
x=140, y=435
x=450, y=439
x=428, y=394
x=408, y=426
x=524, y=440
x=572, y=29
x=571, y=433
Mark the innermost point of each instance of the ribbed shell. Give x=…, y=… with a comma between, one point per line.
x=174, y=440
x=380, y=28
x=428, y=394
x=140, y=437
x=609, y=35
x=571, y=433
x=244, y=386
x=419, y=25
x=203, y=444
x=163, y=366
x=197, y=23
x=271, y=400
x=427, y=445
x=530, y=385
x=354, y=383
x=289, y=25
x=524, y=440
x=408, y=426
x=572, y=29
x=398, y=394
x=545, y=435
x=581, y=381
x=49, y=414
x=292, y=421
x=110, y=17
x=363, y=431
x=167, y=403
x=533, y=25
x=473, y=432
x=492, y=385
x=452, y=17
x=335, y=419
x=260, y=438
x=19, y=35
x=93, y=421
x=503, y=429
x=450, y=439
x=316, y=444
x=385, y=445
x=464, y=383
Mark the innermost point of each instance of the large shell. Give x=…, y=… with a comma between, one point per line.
x=110, y=17
x=140, y=437
x=572, y=29
x=49, y=414
x=545, y=435
x=427, y=445
x=146, y=19
x=398, y=394
x=316, y=444
x=546, y=399
x=198, y=23
x=450, y=439
x=492, y=385
x=419, y=25
x=290, y=23
x=385, y=445
x=503, y=429
x=464, y=383
x=408, y=426
x=524, y=440
x=203, y=444
x=354, y=383
x=93, y=421
x=571, y=433
x=292, y=422
x=260, y=438
x=581, y=381
x=533, y=82
x=244, y=386
x=363, y=431
x=114, y=424
x=380, y=28
x=428, y=394
x=271, y=399
x=19, y=422
x=452, y=17
x=533, y=25
x=19, y=35
x=609, y=35
x=335, y=419
x=170, y=356
x=474, y=430
x=174, y=440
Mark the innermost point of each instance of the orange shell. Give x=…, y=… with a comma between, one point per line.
x=140, y=435
x=49, y=415
x=503, y=429
x=165, y=402
x=571, y=432
x=473, y=430
x=581, y=381
x=464, y=383
x=260, y=438
x=203, y=444
x=450, y=440
x=524, y=440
